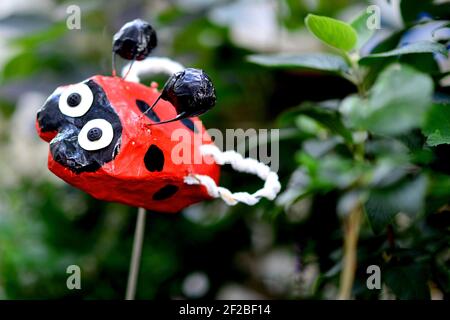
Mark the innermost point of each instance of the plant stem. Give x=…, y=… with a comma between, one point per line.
x=352, y=225
x=357, y=73
x=352, y=222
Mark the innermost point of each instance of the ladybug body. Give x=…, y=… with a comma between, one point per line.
x=102, y=141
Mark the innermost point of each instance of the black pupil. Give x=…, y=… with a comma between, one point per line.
x=73, y=99
x=94, y=134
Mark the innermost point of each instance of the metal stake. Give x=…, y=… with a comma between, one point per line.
x=136, y=255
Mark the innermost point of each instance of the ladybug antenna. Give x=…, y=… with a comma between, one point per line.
x=114, y=72
x=178, y=117
x=129, y=69
x=153, y=105
x=163, y=93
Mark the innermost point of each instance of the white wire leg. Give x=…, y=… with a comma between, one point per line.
x=136, y=255
x=150, y=66
x=271, y=187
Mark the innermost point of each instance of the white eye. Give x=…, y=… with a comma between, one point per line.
x=76, y=100
x=95, y=135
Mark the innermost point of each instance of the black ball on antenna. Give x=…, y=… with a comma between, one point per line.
x=190, y=91
x=135, y=40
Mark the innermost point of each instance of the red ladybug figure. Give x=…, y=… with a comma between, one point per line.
x=107, y=139
x=100, y=143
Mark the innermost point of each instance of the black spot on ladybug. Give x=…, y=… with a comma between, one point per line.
x=189, y=124
x=154, y=159
x=165, y=192
x=143, y=106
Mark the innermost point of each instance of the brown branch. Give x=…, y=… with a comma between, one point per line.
x=352, y=225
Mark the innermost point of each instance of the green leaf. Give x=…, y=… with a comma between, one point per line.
x=426, y=63
x=331, y=171
x=22, y=65
x=438, y=192
x=317, y=61
x=390, y=42
x=389, y=171
x=420, y=47
x=30, y=62
x=437, y=125
x=361, y=28
x=408, y=282
x=396, y=104
x=384, y=204
x=329, y=118
x=42, y=37
x=334, y=33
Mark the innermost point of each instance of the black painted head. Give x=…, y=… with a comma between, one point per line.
x=190, y=91
x=88, y=130
x=135, y=40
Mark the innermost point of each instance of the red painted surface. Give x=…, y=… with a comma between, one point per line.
x=126, y=179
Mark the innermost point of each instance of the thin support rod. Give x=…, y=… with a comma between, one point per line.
x=136, y=255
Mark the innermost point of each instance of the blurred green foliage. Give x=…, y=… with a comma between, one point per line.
x=364, y=133
x=372, y=153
